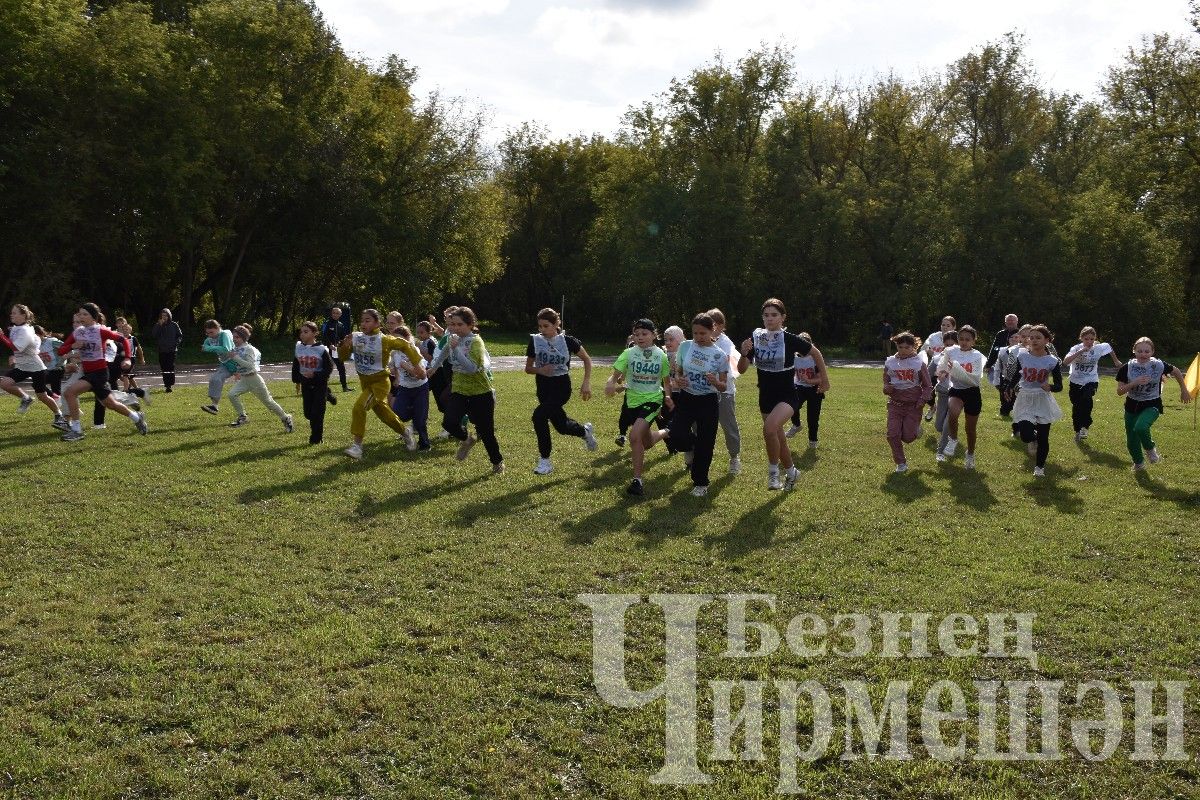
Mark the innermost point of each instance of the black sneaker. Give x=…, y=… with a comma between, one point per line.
x=620, y=440
x=210, y=409
x=635, y=487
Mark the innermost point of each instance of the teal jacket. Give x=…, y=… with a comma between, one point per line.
x=221, y=345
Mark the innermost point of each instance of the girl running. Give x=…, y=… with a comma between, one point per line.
x=811, y=386
x=27, y=362
x=907, y=386
x=1038, y=373
x=934, y=345
x=53, y=361
x=1140, y=380
x=410, y=395
x=728, y=410
x=372, y=352
x=167, y=337
x=646, y=372
x=89, y=339
x=548, y=358
x=1084, y=378
x=472, y=396
x=249, y=360
x=137, y=356
x=962, y=365
x=700, y=372
x=311, y=367
x=220, y=343
x=773, y=351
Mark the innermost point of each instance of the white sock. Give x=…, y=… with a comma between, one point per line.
x=135, y=417
x=75, y=426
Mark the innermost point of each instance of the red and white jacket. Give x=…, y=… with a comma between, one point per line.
x=92, y=338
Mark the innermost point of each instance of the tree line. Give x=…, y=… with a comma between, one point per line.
x=227, y=157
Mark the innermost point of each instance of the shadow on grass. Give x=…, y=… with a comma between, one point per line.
x=307, y=483
x=259, y=455
x=1056, y=490
x=401, y=502
x=970, y=488
x=1100, y=457
x=754, y=530
x=501, y=506
x=1160, y=490
x=906, y=487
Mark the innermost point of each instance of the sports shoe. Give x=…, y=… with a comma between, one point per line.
x=1139, y=467
x=288, y=424
x=544, y=467
x=497, y=469
x=210, y=409
x=61, y=423
x=929, y=415
x=699, y=491
x=774, y=481
x=410, y=441
x=1038, y=472
x=620, y=440
x=443, y=434
x=240, y=421
x=789, y=480
x=902, y=468
x=688, y=457
x=950, y=448
x=465, y=448
x=330, y=398
x=1031, y=448
x=635, y=488
x=347, y=388
x=1153, y=456
x=812, y=445
x=26, y=402
x=72, y=436
x=141, y=425
x=99, y=427
x=1083, y=433
x=940, y=457
x=589, y=438
x=792, y=431
x=969, y=461
x=735, y=466
x=354, y=451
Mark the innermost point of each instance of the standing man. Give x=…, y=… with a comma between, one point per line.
x=332, y=333
x=1011, y=325
x=885, y=333
x=167, y=336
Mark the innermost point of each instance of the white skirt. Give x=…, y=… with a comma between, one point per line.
x=1036, y=406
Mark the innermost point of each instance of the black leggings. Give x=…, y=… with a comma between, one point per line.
x=314, y=398
x=553, y=394
x=1082, y=399
x=481, y=410
x=813, y=413
x=54, y=379
x=1041, y=434
x=702, y=410
x=166, y=363
x=341, y=368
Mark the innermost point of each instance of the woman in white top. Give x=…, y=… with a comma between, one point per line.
x=1084, y=380
x=27, y=361
x=962, y=366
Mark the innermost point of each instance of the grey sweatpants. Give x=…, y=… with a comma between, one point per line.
x=216, y=384
x=726, y=414
x=255, y=385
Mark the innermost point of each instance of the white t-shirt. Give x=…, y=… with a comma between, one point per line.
x=27, y=345
x=971, y=361
x=933, y=347
x=399, y=361
x=1085, y=368
x=734, y=355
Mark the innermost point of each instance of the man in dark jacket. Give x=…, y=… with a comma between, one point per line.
x=998, y=342
x=167, y=337
x=332, y=332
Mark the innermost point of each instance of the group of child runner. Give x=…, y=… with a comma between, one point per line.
x=679, y=394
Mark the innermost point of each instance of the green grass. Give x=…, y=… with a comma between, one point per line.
x=208, y=612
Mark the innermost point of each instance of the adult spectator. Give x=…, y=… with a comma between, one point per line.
x=885, y=334
x=332, y=333
x=167, y=337
x=999, y=341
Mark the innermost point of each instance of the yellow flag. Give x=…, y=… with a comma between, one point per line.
x=1192, y=379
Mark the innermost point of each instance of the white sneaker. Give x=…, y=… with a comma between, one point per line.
x=812, y=445
x=289, y=425
x=951, y=448
x=1031, y=448
x=443, y=434
x=699, y=491
x=792, y=431
x=240, y=421
x=1153, y=456
x=969, y=461
x=735, y=466
x=1038, y=472
x=410, y=441
x=544, y=467
x=354, y=451
x=1083, y=433
x=465, y=448
x=902, y=468
x=789, y=480
x=99, y=427
x=498, y=469
x=589, y=437
x=1139, y=467
x=26, y=402
x=929, y=415
x=940, y=457
x=774, y=481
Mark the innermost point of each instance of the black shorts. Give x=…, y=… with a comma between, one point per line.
x=646, y=411
x=775, y=388
x=971, y=398
x=98, y=380
x=38, y=378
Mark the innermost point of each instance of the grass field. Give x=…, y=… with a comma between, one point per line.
x=210, y=613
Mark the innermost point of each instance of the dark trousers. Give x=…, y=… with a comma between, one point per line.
x=314, y=399
x=1006, y=403
x=54, y=379
x=1082, y=399
x=811, y=401
x=413, y=404
x=480, y=409
x=703, y=411
x=341, y=368
x=439, y=387
x=166, y=363
x=553, y=394
x=1039, y=433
